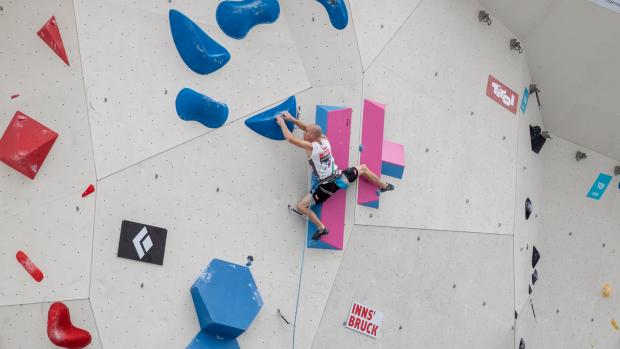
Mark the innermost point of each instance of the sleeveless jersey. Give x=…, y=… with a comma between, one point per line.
x=321, y=160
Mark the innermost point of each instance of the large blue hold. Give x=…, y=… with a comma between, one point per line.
x=205, y=340
x=195, y=106
x=265, y=123
x=237, y=18
x=337, y=11
x=226, y=299
x=202, y=54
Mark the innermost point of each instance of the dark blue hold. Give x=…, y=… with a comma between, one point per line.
x=237, y=18
x=265, y=123
x=202, y=54
x=361, y=148
x=194, y=106
x=337, y=11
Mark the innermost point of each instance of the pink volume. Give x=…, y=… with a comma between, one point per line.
x=372, y=145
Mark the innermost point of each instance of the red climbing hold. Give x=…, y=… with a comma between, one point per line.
x=30, y=267
x=60, y=330
x=51, y=35
x=15, y=96
x=88, y=191
x=25, y=144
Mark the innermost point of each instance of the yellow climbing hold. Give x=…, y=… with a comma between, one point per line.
x=606, y=290
x=614, y=323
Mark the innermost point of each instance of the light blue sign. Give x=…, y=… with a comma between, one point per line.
x=524, y=100
x=599, y=186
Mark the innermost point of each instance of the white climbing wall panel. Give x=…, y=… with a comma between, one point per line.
x=434, y=288
x=129, y=44
x=224, y=196
x=23, y=326
x=51, y=93
x=579, y=252
x=377, y=22
x=460, y=146
x=45, y=217
x=330, y=56
x=530, y=171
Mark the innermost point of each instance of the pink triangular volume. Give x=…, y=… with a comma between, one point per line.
x=51, y=35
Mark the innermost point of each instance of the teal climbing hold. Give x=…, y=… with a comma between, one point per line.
x=337, y=12
x=194, y=106
x=265, y=123
x=202, y=54
x=237, y=18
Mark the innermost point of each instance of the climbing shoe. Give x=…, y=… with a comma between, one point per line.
x=389, y=187
x=319, y=234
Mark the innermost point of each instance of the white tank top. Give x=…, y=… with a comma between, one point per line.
x=321, y=160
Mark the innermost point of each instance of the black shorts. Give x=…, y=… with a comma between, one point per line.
x=326, y=190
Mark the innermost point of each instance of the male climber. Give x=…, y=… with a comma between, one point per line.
x=324, y=168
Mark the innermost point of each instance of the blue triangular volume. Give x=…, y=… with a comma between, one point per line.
x=372, y=204
x=265, y=123
x=202, y=54
x=194, y=106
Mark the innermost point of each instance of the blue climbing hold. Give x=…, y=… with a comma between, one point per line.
x=226, y=299
x=194, y=106
x=202, y=54
x=265, y=123
x=237, y=18
x=205, y=340
x=337, y=11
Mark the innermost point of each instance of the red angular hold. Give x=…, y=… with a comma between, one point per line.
x=88, y=191
x=15, y=96
x=51, y=35
x=30, y=267
x=25, y=144
x=61, y=331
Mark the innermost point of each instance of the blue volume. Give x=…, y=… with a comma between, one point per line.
x=337, y=12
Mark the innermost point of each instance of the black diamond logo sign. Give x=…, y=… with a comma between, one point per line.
x=142, y=242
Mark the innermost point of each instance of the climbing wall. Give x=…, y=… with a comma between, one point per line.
x=23, y=326
x=529, y=185
x=46, y=217
x=129, y=44
x=460, y=148
x=578, y=253
x=424, y=282
x=450, y=246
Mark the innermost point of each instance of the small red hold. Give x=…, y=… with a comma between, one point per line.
x=88, y=191
x=51, y=35
x=61, y=331
x=30, y=267
x=15, y=96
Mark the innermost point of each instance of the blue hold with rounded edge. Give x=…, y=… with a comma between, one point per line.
x=265, y=123
x=237, y=18
x=337, y=12
x=205, y=340
x=202, y=54
x=194, y=106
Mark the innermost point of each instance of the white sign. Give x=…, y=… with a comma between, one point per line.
x=613, y=5
x=364, y=319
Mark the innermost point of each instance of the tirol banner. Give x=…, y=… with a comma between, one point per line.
x=503, y=95
x=613, y=5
